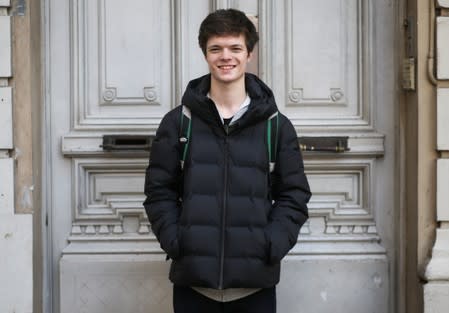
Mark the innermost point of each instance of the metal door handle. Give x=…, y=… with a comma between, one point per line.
x=143, y=143
x=324, y=144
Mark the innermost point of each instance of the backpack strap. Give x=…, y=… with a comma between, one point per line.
x=185, y=129
x=272, y=138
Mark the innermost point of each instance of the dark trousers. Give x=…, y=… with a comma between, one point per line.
x=187, y=300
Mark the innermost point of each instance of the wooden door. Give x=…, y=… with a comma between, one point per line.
x=116, y=67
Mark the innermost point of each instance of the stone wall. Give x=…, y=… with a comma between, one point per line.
x=16, y=229
x=436, y=291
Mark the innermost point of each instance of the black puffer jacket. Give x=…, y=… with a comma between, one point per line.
x=235, y=221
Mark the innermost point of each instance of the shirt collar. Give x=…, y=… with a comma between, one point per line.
x=242, y=109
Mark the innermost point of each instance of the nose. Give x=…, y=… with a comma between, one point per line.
x=226, y=54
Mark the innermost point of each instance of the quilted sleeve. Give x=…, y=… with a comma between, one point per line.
x=290, y=192
x=162, y=185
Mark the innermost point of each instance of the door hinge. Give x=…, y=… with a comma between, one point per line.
x=19, y=8
x=408, y=63
x=408, y=74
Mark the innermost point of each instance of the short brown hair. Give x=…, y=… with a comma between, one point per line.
x=227, y=22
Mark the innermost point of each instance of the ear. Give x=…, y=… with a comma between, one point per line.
x=250, y=56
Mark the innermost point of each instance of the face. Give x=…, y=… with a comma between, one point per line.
x=227, y=57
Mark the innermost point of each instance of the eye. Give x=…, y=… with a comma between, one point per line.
x=237, y=48
x=214, y=49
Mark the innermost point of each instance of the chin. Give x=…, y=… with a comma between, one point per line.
x=229, y=79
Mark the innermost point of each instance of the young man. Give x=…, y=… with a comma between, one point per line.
x=225, y=218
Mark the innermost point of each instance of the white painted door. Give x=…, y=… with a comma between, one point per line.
x=116, y=67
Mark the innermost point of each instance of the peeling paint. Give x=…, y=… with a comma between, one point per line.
x=17, y=153
x=19, y=8
x=323, y=295
x=26, y=199
x=377, y=280
x=8, y=235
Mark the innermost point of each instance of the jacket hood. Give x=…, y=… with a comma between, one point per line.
x=262, y=104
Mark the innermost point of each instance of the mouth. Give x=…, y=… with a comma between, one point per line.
x=226, y=67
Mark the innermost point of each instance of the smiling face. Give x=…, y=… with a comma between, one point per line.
x=227, y=57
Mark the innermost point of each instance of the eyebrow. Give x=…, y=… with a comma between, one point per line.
x=231, y=46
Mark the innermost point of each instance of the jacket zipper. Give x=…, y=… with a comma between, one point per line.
x=223, y=215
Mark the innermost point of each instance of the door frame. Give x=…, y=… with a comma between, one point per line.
x=43, y=224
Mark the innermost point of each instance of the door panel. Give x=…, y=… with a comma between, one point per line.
x=121, y=63
x=117, y=67
x=324, y=85
x=323, y=74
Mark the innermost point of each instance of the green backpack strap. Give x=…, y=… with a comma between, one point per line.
x=272, y=138
x=185, y=130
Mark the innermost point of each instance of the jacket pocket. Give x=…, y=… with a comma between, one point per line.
x=256, y=244
x=173, y=250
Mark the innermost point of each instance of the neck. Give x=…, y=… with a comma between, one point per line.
x=227, y=97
